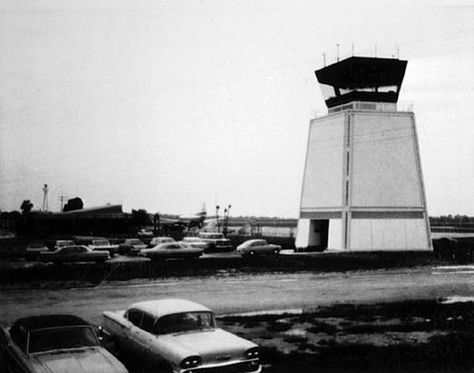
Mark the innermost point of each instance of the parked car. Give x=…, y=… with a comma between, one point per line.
x=103, y=245
x=155, y=241
x=75, y=253
x=54, y=343
x=131, y=246
x=171, y=250
x=195, y=242
x=258, y=247
x=216, y=241
x=183, y=334
x=62, y=243
x=33, y=249
x=145, y=233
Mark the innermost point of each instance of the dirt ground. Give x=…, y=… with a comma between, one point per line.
x=420, y=336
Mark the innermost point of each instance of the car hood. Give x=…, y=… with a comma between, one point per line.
x=213, y=346
x=95, y=359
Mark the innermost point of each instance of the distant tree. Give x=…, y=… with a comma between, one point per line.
x=26, y=206
x=141, y=217
x=73, y=204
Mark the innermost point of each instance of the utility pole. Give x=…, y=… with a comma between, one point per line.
x=217, y=219
x=45, y=197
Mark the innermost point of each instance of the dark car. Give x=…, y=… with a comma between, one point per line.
x=131, y=246
x=75, y=253
x=34, y=249
x=54, y=343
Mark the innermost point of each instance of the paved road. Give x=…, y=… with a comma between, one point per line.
x=227, y=293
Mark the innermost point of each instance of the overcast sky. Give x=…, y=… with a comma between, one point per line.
x=165, y=105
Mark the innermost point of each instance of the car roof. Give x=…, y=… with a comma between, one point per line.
x=49, y=321
x=162, y=307
x=248, y=242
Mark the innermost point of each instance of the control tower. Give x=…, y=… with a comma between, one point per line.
x=362, y=185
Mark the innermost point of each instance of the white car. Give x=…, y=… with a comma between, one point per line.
x=183, y=334
x=155, y=241
x=258, y=247
x=194, y=242
x=104, y=245
x=171, y=250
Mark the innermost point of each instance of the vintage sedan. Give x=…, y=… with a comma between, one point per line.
x=54, y=343
x=155, y=241
x=33, y=249
x=216, y=241
x=103, y=245
x=75, y=253
x=183, y=335
x=172, y=250
x=258, y=247
x=195, y=242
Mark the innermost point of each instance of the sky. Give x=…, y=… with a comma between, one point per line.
x=166, y=105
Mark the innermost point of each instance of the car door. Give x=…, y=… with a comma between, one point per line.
x=139, y=336
x=15, y=360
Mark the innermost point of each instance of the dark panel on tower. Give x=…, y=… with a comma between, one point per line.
x=362, y=79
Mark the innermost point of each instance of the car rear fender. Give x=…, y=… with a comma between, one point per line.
x=115, y=324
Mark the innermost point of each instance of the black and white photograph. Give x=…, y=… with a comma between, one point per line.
x=220, y=186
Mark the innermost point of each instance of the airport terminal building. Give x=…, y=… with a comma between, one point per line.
x=363, y=185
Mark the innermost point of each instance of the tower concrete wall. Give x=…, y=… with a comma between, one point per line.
x=363, y=174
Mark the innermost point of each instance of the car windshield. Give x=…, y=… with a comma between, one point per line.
x=134, y=242
x=184, y=322
x=49, y=339
x=36, y=245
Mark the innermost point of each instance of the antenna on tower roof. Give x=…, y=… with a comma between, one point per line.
x=45, y=197
x=337, y=50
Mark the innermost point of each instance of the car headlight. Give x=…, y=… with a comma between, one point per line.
x=252, y=353
x=190, y=362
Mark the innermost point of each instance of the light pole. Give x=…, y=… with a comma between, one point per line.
x=217, y=219
x=226, y=219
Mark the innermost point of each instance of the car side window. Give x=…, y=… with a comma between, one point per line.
x=147, y=323
x=18, y=335
x=135, y=317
